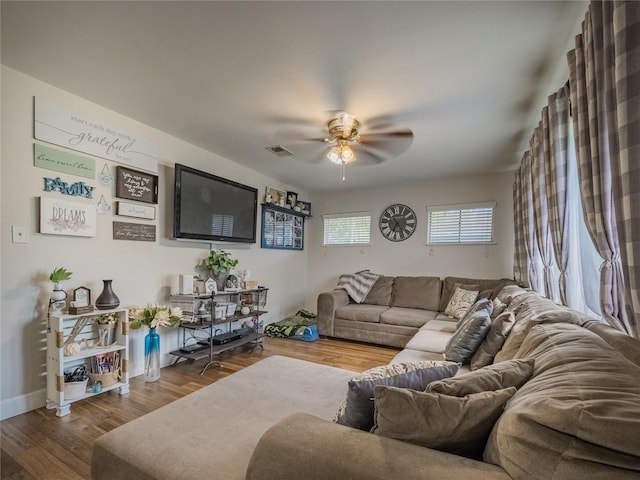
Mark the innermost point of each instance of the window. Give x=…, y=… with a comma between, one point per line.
x=347, y=228
x=455, y=224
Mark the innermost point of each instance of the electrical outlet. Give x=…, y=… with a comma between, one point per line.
x=19, y=234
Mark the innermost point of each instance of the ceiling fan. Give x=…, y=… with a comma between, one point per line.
x=348, y=145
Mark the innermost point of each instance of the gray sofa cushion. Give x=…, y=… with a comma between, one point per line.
x=358, y=409
x=512, y=373
x=579, y=413
x=411, y=317
x=360, y=312
x=416, y=292
x=380, y=293
x=457, y=425
x=448, y=286
x=429, y=341
x=469, y=335
x=493, y=342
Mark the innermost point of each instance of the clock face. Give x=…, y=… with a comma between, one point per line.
x=397, y=222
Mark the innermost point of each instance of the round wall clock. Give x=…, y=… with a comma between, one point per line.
x=397, y=222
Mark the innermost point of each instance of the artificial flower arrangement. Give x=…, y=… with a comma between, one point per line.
x=154, y=316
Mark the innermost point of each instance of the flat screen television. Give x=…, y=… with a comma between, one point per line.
x=213, y=209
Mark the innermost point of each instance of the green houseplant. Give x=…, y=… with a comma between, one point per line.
x=219, y=263
x=60, y=274
x=57, y=302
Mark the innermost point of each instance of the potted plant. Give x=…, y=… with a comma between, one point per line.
x=219, y=263
x=106, y=329
x=58, y=296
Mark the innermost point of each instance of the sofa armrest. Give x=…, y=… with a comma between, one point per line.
x=328, y=302
x=304, y=446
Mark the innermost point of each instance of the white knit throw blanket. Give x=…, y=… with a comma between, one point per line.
x=358, y=284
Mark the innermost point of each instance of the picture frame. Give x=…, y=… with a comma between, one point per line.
x=135, y=185
x=278, y=197
x=292, y=199
x=64, y=217
x=305, y=207
x=81, y=302
x=282, y=229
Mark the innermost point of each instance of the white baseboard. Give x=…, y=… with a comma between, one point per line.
x=11, y=407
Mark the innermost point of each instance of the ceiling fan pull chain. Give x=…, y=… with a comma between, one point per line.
x=343, y=167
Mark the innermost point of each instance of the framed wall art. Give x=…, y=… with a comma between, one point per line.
x=134, y=185
x=282, y=228
x=64, y=217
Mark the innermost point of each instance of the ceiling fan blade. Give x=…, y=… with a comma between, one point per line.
x=394, y=135
x=365, y=156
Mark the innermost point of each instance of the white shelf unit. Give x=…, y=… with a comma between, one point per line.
x=59, y=330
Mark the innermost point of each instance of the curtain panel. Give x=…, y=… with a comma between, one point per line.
x=556, y=126
x=605, y=99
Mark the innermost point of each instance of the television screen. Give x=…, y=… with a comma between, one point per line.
x=212, y=208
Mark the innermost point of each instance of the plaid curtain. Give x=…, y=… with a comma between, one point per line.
x=604, y=77
x=555, y=123
x=528, y=223
x=520, y=261
x=539, y=147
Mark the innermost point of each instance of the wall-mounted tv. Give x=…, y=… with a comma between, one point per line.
x=213, y=209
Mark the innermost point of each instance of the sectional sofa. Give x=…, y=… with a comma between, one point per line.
x=396, y=308
x=575, y=415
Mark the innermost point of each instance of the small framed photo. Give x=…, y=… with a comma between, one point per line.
x=277, y=197
x=305, y=207
x=81, y=301
x=292, y=199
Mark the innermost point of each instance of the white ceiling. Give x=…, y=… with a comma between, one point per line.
x=468, y=78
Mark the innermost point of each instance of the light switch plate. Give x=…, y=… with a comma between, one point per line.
x=19, y=234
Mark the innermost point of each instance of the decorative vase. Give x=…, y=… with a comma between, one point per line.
x=151, y=356
x=221, y=280
x=58, y=298
x=107, y=299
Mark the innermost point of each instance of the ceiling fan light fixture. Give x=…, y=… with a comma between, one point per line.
x=341, y=153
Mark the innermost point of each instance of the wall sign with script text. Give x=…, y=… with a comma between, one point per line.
x=137, y=232
x=134, y=185
x=63, y=217
x=127, y=209
x=78, y=132
x=63, y=162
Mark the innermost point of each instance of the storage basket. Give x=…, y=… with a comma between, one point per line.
x=74, y=390
x=107, y=379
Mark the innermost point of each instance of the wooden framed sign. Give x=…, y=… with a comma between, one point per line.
x=137, y=232
x=135, y=185
x=127, y=209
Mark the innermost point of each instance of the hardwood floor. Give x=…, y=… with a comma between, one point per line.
x=40, y=446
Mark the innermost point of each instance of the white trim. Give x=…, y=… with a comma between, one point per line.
x=10, y=407
x=460, y=206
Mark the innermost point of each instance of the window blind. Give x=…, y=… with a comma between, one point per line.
x=347, y=229
x=455, y=224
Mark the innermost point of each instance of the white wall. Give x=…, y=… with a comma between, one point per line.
x=412, y=256
x=144, y=272
x=141, y=271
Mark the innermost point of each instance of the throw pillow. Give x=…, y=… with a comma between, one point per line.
x=357, y=410
x=460, y=302
x=498, y=307
x=468, y=337
x=459, y=425
x=512, y=373
x=493, y=342
x=482, y=304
